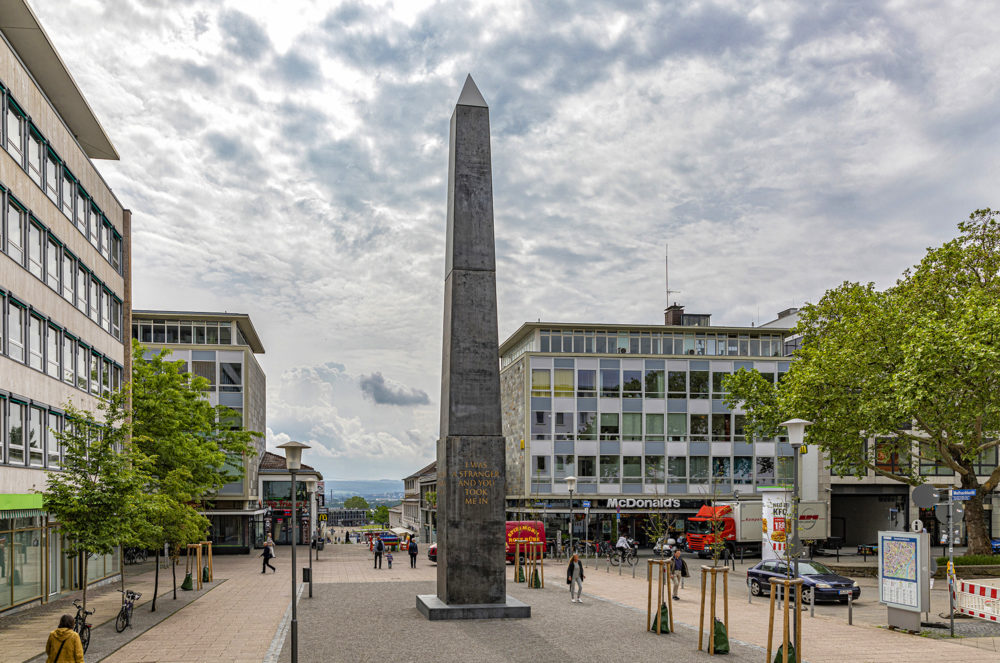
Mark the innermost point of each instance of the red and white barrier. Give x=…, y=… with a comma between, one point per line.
x=980, y=601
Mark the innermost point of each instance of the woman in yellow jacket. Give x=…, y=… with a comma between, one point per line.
x=64, y=644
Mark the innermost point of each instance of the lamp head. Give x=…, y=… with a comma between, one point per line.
x=293, y=454
x=796, y=431
x=310, y=485
x=571, y=484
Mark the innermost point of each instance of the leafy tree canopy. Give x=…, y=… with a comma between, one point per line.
x=356, y=502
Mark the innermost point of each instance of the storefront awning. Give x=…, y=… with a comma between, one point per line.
x=233, y=512
x=401, y=531
x=21, y=513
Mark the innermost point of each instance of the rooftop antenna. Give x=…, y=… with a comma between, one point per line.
x=666, y=268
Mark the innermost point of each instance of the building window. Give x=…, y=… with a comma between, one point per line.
x=106, y=378
x=69, y=277
x=610, y=469
x=95, y=300
x=654, y=427
x=721, y=469
x=586, y=467
x=82, y=285
x=53, y=447
x=677, y=427
x=15, y=132
x=36, y=432
x=52, y=352
x=35, y=347
x=632, y=469
x=106, y=311
x=67, y=195
x=743, y=470
x=610, y=383
x=718, y=385
x=36, y=244
x=15, y=332
x=35, y=150
x=699, y=469
x=699, y=384
x=106, y=242
x=586, y=383
x=632, y=384
x=116, y=318
x=564, y=466
x=82, y=365
x=15, y=434
x=69, y=360
x=541, y=425
x=540, y=466
x=94, y=224
x=632, y=426
x=609, y=426
x=677, y=469
x=654, y=383
x=654, y=470
x=699, y=428
x=52, y=178
x=116, y=252
x=676, y=384
x=586, y=425
x=721, y=428
x=15, y=233
x=81, y=210
x=563, y=425
x=205, y=369
x=563, y=383
x=52, y=264
x=541, y=382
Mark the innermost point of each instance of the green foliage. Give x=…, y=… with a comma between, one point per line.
x=99, y=495
x=916, y=366
x=356, y=502
x=381, y=514
x=971, y=560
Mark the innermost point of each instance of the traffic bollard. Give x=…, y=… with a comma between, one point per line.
x=850, y=609
x=633, y=568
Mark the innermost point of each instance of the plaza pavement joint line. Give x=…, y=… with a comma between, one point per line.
x=278, y=641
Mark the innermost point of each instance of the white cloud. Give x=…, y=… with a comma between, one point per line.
x=299, y=176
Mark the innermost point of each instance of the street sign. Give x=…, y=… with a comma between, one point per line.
x=925, y=496
x=586, y=504
x=917, y=525
x=962, y=494
x=941, y=512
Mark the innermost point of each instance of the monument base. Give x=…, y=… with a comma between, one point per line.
x=434, y=609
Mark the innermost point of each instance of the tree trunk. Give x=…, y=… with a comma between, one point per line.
x=84, y=581
x=121, y=562
x=975, y=518
x=156, y=580
x=173, y=561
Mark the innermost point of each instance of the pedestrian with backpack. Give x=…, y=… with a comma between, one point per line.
x=378, y=549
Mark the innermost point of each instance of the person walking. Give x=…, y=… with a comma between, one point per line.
x=574, y=578
x=678, y=571
x=378, y=549
x=64, y=644
x=388, y=558
x=268, y=555
x=411, y=547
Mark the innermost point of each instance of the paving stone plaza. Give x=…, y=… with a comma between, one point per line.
x=358, y=613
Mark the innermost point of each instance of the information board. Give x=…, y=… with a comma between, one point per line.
x=904, y=576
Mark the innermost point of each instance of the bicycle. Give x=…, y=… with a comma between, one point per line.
x=134, y=555
x=125, y=614
x=630, y=557
x=80, y=624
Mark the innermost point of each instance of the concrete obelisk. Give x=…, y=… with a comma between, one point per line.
x=471, y=573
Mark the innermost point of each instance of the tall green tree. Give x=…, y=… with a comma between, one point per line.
x=98, y=495
x=381, y=515
x=915, y=366
x=194, y=447
x=356, y=502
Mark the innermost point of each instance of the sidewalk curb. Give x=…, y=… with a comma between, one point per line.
x=278, y=641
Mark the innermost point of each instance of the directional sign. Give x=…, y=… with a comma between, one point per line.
x=586, y=504
x=963, y=494
x=941, y=513
x=925, y=496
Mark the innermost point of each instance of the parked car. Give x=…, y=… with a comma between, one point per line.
x=818, y=581
x=432, y=552
x=995, y=544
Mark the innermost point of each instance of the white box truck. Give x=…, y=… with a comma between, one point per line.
x=740, y=526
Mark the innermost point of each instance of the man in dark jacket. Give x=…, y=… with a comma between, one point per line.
x=411, y=547
x=378, y=549
x=679, y=570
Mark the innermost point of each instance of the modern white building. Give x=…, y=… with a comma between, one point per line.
x=64, y=297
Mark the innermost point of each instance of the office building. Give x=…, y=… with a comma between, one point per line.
x=64, y=297
x=222, y=348
x=276, y=489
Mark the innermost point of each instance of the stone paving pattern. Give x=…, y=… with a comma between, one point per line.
x=239, y=618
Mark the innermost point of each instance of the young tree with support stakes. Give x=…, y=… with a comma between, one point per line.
x=193, y=445
x=99, y=493
x=916, y=367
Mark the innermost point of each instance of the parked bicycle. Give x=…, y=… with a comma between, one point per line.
x=125, y=614
x=630, y=556
x=80, y=624
x=134, y=555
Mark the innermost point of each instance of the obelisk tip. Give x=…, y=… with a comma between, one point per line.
x=471, y=96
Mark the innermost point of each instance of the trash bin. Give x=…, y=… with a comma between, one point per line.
x=306, y=574
x=320, y=544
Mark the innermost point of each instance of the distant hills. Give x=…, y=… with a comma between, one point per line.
x=363, y=487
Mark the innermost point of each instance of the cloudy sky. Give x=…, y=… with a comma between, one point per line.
x=289, y=160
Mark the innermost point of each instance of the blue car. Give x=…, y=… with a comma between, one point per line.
x=995, y=543
x=819, y=582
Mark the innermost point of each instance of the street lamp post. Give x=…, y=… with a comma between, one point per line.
x=293, y=462
x=310, y=486
x=796, y=433
x=571, y=484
